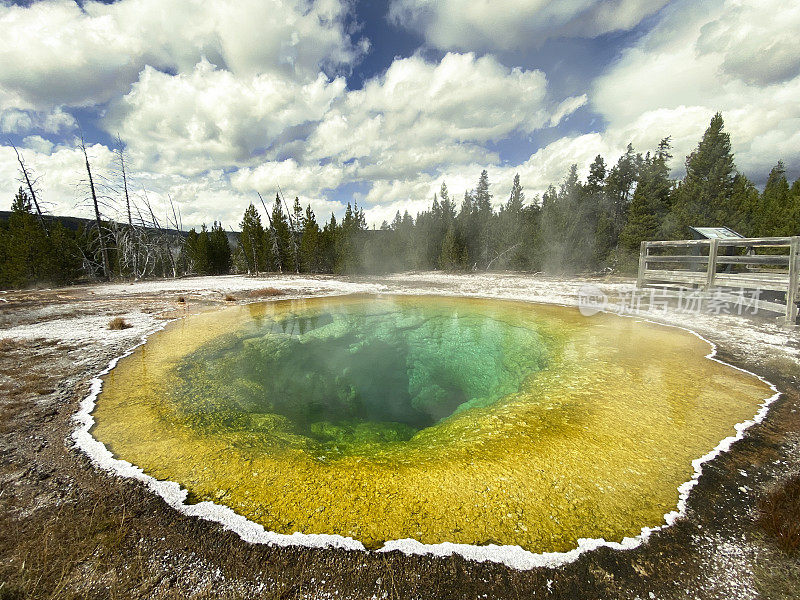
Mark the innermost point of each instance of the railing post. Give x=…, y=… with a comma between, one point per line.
x=711, y=272
x=642, y=265
x=794, y=275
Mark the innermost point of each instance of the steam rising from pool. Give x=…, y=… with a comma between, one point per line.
x=439, y=419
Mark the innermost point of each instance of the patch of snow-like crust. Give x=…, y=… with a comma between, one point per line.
x=92, y=329
x=758, y=338
x=236, y=283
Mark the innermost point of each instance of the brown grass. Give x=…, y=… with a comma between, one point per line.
x=22, y=379
x=268, y=292
x=777, y=578
x=118, y=323
x=230, y=298
x=9, y=344
x=779, y=515
x=48, y=561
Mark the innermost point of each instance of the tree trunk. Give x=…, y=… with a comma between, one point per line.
x=29, y=184
x=98, y=220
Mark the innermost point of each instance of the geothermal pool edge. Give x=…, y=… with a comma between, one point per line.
x=512, y=556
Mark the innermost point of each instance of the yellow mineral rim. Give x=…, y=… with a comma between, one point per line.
x=439, y=419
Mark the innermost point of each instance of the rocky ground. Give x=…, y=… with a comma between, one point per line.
x=71, y=530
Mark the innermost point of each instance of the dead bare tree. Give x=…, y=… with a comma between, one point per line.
x=275, y=250
x=135, y=250
x=98, y=220
x=502, y=254
x=30, y=180
x=129, y=238
x=175, y=224
x=161, y=244
x=120, y=152
x=144, y=246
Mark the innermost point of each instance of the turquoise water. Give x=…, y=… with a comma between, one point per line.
x=459, y=420
x=359, y=374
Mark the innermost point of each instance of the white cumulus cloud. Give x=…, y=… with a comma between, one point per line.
x=209, y=117
x=421, y=115
x=509, y=24
x=730, y=56
x=57, y=53
x=23, y=121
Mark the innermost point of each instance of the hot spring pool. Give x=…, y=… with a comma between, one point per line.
x=439, y=419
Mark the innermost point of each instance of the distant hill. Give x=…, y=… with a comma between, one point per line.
x=75, y=223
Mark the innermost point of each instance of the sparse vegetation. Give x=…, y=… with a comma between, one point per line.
x=118, y=323
x=268, y=292
x=779, y=515
x=778, y=578
x=8, y=344
x=21, y=378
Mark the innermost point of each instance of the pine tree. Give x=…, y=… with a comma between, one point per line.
x=704, y=196
x=253, y=241
x=597, y=210
x=199, y=251
x=773, y=216
x=361, y=220
x=283, y=237
x=296, y=229
x=21, y=203
x=595, y=182
x=744, y=203
x=298, y=217
x=30, y=253
x=62, y=262
x=219, y=250
x=651, y=200
x=466, y=228
x=428, y=235
x=447, y=206
x=484, y=221
x=454, y=251
x=517, y=198
x=510, y=230
x=406, y=249
x=22, y=244
x=310, y=256
x=567, y=237
x=349, y=241
x=794, y=209
x=531, y=253
x=617, y=194
x=327, y=245
x=189, y=250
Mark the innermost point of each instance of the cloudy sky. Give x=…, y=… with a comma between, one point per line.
x=380, y=100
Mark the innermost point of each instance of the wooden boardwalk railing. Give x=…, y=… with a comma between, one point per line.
x=764, y=264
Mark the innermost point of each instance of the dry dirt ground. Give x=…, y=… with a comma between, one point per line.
x=70, y=530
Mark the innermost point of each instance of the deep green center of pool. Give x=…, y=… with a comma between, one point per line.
x=343, y=379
